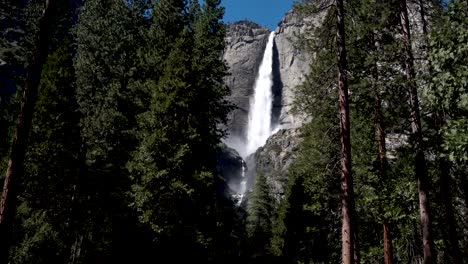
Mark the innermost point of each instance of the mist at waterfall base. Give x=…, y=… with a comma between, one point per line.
x=259, y=127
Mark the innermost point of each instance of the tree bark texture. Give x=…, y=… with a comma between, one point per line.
x=417, y=140
x=15, y=164
x=388, y=250
x=347, y=195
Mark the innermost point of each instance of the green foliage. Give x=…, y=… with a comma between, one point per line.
x=128, y=113
x=121, y=164
x=456, y=143
x=309, y=215
x=309, y=212
x=41, y=243
x=259, y=218
x=448, y=91
x=173, y=169
x=54, y=146
x=308, y=226
x=12, y=64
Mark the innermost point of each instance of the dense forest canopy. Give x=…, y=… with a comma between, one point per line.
x=113, y=115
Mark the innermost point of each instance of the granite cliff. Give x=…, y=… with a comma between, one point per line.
x=246, y=43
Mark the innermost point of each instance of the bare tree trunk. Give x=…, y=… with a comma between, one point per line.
x=347, y=195
x=420, y=160
x=18, y=149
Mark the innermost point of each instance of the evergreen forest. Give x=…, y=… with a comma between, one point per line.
x=113, y=122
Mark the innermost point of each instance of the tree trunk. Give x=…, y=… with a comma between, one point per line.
x=422, y=13
x=417, y=141
x=450, y=240
x=357, y=246
x=388, y=251
x=347, y=195
x=382, y=171
x=464, y=188
x=450, y=233
x=18, y=148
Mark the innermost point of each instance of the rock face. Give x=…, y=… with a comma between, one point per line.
x=229, y=166
x=246, y=43
x=275, y=158
x=292, y=65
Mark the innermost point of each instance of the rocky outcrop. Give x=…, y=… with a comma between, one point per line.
x=274, y=159
x=293, y=64
x=229, y=166
x=246, y=43
x=290, y=65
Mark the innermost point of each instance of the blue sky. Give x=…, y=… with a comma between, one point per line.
x=264, y=12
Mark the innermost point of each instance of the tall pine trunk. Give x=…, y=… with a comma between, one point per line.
x=452, y=254
x=450, y=234
x=388, y=251
x=417, y=140
x=15, y=164
x=349, y=242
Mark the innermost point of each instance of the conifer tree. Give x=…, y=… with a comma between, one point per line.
x=349, y=240
x=317, y=164
x=15, y=165
x=447, y=90
x=259, y=219
x=373, y=54
x=421, y=170
x=106, y=36
x=12, y=61
x=49, y=187
x=173, y=169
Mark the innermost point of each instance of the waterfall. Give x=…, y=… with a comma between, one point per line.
x=243, y=184
x=259, y=126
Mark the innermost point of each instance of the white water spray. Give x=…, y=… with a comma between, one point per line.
x=243, y=185
x=259, y=126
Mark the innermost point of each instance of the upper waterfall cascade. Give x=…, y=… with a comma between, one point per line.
x=259, y=127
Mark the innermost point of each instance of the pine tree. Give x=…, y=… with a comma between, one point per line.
x=349, y=239
x=446, y=93
x=308, y=220
x=373, y=52
x=374, y=56
x=173, y=169
x=107, y=35
x=417, y=140
x=13, y=60
x=259, y=219
x=15, y=165
x=53, y=162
